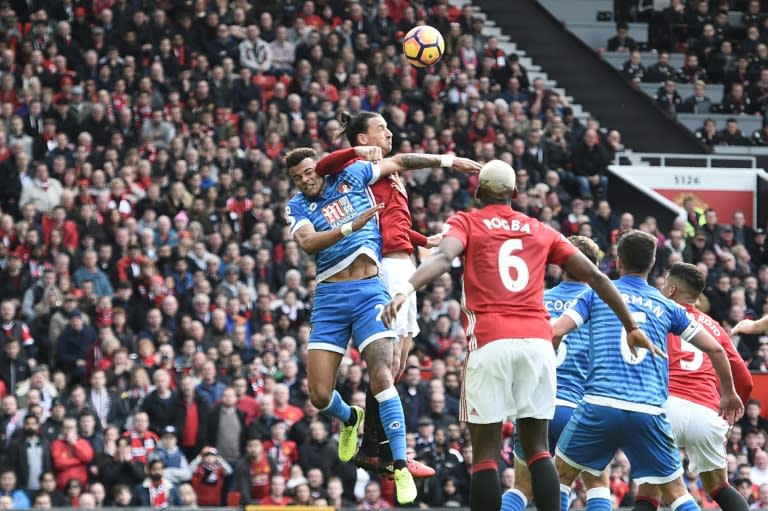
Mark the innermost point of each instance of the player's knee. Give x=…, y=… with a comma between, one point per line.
x=320, y=397
x=380, y=377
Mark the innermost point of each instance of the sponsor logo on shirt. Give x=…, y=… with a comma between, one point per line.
x=339, y=211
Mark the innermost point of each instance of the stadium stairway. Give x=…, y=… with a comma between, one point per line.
x=595, y=85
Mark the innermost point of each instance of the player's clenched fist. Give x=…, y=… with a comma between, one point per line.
x=366, y=215
x=369, y=152
x=389, y=314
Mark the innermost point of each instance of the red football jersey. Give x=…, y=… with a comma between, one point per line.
x=505, y=258
x=691, y=374
x=394, y=219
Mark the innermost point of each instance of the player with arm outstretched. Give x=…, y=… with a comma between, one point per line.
x=572, y=363
x=367, y=132
x=693, y=407
x=330, y=217
x=751, y=327
x=510, y=366
x=625, y=392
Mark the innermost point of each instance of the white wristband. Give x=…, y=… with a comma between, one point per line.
x=406, y=290
x=446, y=160
x=346, y=229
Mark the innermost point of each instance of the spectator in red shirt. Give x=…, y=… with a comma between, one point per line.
x=57, y=220
x=253, y=472
x=276, y=495
x=71, y=455
x=283, y=409
x=143, y=441
x=191, y=423
x=208, y=472
x=372, y=499
x=247, y=404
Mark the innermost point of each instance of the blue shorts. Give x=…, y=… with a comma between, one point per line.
x=595, y=432
x=349, y=309
x=556, y=427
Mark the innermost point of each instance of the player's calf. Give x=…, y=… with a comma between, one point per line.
x=715, y=483
x=676, y=493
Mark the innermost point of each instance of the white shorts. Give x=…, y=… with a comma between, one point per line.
x=395, y=274
x=509, y=378
x=700, y=431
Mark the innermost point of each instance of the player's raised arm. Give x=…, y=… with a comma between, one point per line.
x=312, y=241
x=751, y=327
x=432, y=267
x=579, y=267
x=730, y=403
x=412, y=161
x=335, y=162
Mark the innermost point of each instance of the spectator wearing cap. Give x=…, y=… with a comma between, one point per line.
x=156, y=491
x=73, y=345
x=758, y=249
x=425, y=434
x=51, y=428
x=209, y=470
x=177, y=469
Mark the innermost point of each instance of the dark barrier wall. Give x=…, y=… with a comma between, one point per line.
x=638, y=202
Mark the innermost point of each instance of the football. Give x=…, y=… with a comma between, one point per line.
x=423, y=46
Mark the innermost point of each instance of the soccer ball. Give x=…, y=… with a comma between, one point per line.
x=423, y=46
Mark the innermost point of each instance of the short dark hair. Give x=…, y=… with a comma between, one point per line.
x=298, y=155
x=637, y=251
x=587, y=247
x=690, y=276
x=353, y=125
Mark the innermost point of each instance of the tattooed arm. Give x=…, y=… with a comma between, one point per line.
x=411, y=161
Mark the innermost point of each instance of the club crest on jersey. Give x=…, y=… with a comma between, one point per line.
x=344, y=187
x=338, y=211
x=313, y=206
x=397, y=184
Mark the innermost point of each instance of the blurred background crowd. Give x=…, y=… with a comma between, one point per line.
x=154, y=308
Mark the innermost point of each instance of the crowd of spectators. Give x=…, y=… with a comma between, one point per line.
x=154, y=308
x=719, y=48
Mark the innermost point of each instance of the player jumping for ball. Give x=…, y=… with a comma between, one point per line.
x=370, y=129
x=510, y=366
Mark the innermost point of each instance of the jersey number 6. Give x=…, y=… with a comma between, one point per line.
x=508, y=262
